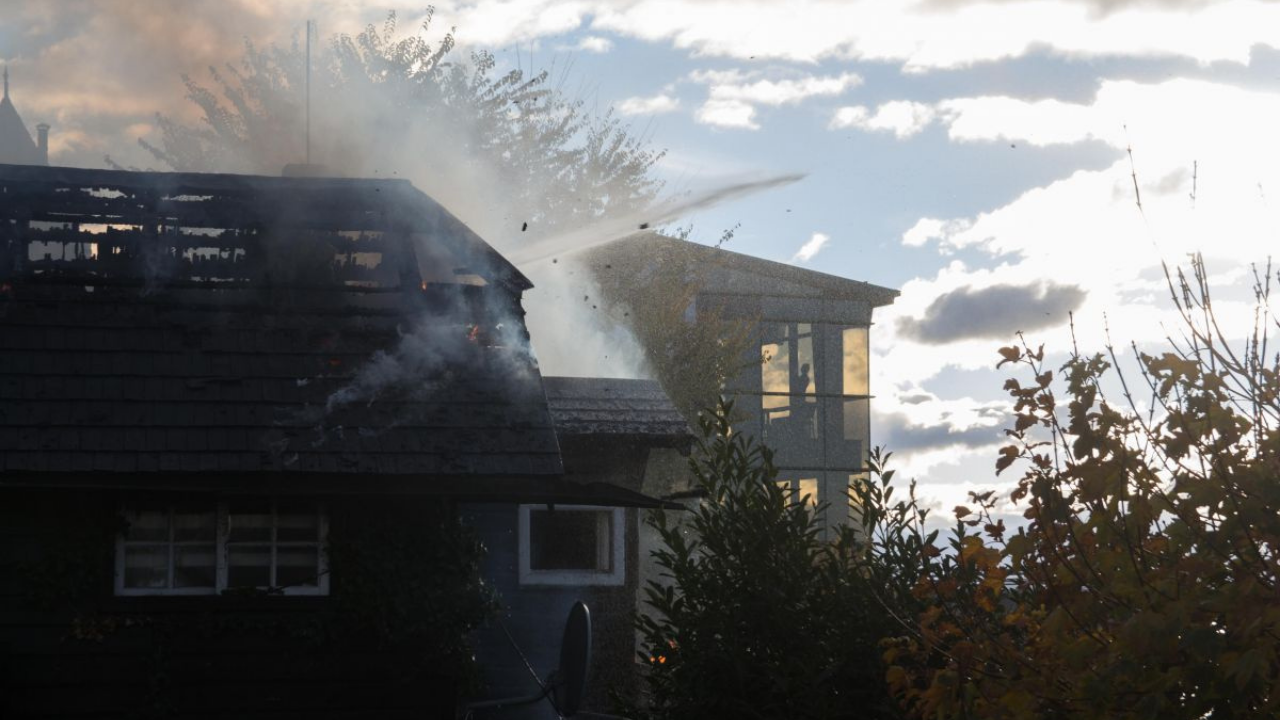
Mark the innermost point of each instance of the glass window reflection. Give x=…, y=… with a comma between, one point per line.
x=854, y=361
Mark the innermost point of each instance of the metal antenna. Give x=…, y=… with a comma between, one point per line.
x=308, y=83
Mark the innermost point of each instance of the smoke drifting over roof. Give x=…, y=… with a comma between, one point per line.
x=428, y=121
x=520, y=164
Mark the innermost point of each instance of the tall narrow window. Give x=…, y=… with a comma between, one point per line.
x=789, y=404
x=854, y=362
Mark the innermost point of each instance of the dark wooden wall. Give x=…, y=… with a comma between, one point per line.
x=535, y=615
x=70, y=649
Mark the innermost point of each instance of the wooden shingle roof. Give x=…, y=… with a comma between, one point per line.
x=186, y=326
x=604, y=407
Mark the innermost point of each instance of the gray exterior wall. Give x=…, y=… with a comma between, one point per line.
x=535, y=615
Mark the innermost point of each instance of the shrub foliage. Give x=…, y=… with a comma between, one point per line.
x=759, y=617
x=1145, y=582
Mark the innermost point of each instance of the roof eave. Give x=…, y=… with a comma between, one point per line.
x=484, y=489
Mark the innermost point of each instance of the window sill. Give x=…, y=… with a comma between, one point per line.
x=570, y=578
x=211, y=602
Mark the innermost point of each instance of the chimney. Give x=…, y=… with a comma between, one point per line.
x=42, y=142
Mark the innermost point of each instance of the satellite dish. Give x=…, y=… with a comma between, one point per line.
x=575, y=661
x=566, y=685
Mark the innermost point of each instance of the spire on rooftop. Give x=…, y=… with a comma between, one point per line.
x=16, y=146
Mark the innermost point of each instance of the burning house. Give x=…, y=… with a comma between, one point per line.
x=207, y=380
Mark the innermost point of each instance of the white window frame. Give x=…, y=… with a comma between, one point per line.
x=616, y=576
x=222, y=527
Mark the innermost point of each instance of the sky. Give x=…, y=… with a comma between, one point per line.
x=1002, y=163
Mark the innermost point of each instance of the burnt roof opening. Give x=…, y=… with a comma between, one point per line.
x=191, y=323
x=181, y=230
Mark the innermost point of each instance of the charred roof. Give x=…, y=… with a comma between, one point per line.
x=170, y=229
x=174, y=325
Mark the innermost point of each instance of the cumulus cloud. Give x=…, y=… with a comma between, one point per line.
x=927, y=229
x=898, y=433
x=594, y=44
x=736, y=85
x=655, y=105
x=929, y=35
x=903, y=118
x=811, y=248
x=995, y=312
x=727, y=114
x=499, y=23
x=1100, y=6
x=925, y=432
x=916, y=398
x=920, y=36
x=1040, y=122
x=733, y=95
x=1079, y=242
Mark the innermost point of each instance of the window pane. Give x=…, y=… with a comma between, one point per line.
x=856, y=479
x=804, y=490
x=846, y=446
x=148, y=525
x=793, y=430
x=297, y=523
x=787, y=353
x=604, y=541
x=249, y=566
x=808, y=491
x=855, y=361
x=193, y=566
x=297, y=566
x=776, y=408
x=568, y=539
x=856, y=422
x=802, y=379
x=194, y=525
x=146, y=566
x=775, y=351
x=249, y=523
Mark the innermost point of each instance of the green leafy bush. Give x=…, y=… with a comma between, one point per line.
x=760, y=617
